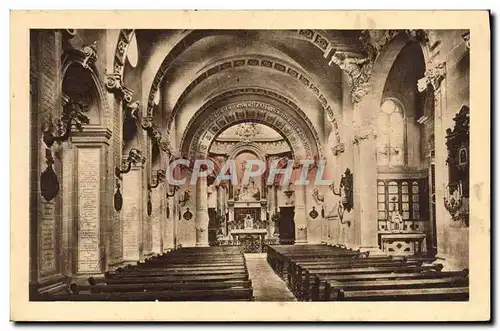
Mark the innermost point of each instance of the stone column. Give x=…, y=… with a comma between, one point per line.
x=365, y=188
x=132, y=212
x=201, y=212
x=300, y=215
x=91, y=194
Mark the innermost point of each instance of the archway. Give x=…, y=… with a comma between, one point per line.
x=217, y=116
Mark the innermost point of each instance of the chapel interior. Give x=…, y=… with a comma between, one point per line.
x=385, y=111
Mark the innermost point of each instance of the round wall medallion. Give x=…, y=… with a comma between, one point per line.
x=187, y=215
x=118, y=200
x=313, y=213
x=49, y=184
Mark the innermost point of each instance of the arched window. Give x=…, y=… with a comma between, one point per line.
x=391, y=134
x=133, y=52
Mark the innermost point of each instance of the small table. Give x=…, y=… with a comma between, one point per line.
x=403, y=244
x=252, y=240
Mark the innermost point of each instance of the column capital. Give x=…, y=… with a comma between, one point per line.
x=359, y=70
x=434, y=75
x=114, y=84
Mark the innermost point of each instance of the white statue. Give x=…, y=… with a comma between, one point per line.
x=248, y=222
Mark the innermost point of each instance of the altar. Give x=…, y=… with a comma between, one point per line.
x=251, y=239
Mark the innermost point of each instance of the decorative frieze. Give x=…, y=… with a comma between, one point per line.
x=434, y=75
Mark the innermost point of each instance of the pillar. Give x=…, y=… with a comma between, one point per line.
x=91, y=193
x=202, y=218
x=300, y=215
x=132, y=212
x=365, y=190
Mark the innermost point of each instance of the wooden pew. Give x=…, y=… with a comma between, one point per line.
x=334, y=288
x=419, y=294
x=301, y=280
x=228, y=294
x=318, y=286
x=148, y=287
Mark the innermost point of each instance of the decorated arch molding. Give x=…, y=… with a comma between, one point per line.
x=195, y=35
x=245, y=146
x=289, y=112
x=269, y=63
x=202, y=129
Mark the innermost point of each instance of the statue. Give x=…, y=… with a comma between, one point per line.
x=248, y=222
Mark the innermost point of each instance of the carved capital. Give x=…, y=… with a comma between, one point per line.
x=338, y=149
x=434, y=75
x=114, y=84
x=364, y=132
x=90, y=53
x=359, y=70
x=147, y=122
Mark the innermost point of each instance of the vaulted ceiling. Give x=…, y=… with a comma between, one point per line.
x=292, y=63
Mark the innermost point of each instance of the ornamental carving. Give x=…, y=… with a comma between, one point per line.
x=115, y=85
x=223, y=117
x=155, y=134
x=338, y=149
x=359, y=70
x=90, y=53
x=266, y=63
x=364, y=132
x=434, y=75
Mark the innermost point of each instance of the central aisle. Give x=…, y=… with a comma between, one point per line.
x=267, y=286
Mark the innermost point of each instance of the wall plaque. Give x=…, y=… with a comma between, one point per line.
x=47, y=243
x=89, y=260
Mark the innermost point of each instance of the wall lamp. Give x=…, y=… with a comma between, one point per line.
x=72, y=117
x=160, y=177
x=134, y=156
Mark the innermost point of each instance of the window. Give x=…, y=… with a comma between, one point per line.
x=391, y=134
x=133, y=52
x=402, y=195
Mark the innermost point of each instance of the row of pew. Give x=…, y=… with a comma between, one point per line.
x=335, y=273
x=186, y=274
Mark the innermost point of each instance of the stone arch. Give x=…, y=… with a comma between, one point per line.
x=289, y=122
x=314, y=36
x=86, y=58
x=263, y=62
x=384, y=62
x=262, y=94
x=247, y=146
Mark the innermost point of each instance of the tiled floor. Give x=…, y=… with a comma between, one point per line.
x=267, y=286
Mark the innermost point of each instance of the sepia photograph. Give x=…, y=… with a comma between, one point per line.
x=253, y=164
